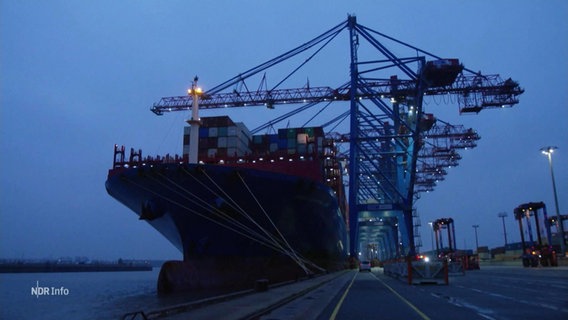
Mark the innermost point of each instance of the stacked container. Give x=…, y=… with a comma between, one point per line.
x=219, y=137
x=291, y=141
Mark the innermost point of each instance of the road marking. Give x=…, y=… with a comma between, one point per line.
x=413, y=307
x=338, y=306
x=530, y=303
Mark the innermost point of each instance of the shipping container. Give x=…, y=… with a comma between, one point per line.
x=320, y=143
x=232, y=131
x=203, y=142
x=283, y=144
x=257, y=139
x=243, y=130
x=232, y=142
x=220, y=138
x=292, y=143
x=219, y=121
x=292, y=132
x=302, y=138
x=222, y=153
x=318, y=132
x=282, y=134
x=273, y=147
x=311, y=148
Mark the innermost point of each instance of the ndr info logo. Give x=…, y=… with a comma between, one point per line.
x=49, y=291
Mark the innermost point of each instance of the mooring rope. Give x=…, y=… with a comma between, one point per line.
x=293, y=255
x=213, y=210
x=235, y=206
x=223, y=219
x=170, y=200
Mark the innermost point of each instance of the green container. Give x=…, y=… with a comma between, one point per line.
x=292, y=133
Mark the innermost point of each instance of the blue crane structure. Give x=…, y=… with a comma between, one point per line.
x=393, y=149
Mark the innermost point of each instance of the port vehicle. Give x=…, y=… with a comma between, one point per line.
x=365, y=265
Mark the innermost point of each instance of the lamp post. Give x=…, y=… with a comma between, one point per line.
x=502, y=215
x=560, y=227
x=432, y=234
x=475, y=226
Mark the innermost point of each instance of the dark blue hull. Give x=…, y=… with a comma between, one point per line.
x=233, y=222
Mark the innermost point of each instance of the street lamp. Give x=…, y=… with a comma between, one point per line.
x=502, y=215
x=560, y=227
x=475, y=226
x=432, y=234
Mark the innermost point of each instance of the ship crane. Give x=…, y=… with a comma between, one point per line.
x=394, y=150
x=474, y=93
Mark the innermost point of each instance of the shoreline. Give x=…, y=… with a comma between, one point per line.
x=47, y=267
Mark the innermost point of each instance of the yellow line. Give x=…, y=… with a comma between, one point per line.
x=338, y=306
x=413, y=307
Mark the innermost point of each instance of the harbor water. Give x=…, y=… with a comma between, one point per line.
x=82, y=295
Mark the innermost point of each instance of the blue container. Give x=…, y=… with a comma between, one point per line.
x=282, y=144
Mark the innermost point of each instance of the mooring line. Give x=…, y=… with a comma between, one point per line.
x=292, y=253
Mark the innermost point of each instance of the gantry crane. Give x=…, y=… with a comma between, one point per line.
x=394, y=149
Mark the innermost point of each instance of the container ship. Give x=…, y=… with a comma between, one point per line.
x=269, y=208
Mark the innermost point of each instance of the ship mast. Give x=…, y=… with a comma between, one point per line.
x=194, y=122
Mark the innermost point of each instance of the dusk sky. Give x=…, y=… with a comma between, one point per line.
x=78, y=77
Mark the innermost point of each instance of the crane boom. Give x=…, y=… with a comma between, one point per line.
x=475, y=92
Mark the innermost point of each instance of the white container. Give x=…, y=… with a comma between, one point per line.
x=232, y=131
x=302, y=138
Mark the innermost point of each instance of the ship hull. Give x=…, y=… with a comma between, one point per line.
x=235, y=225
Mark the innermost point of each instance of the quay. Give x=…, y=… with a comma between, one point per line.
x=493, y=292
